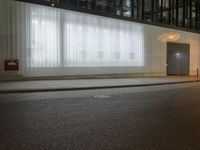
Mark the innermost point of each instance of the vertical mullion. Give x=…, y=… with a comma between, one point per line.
x=62, y=39
x=190, y=14
x=172, y=12
x=196, y=15
x=133, y=8
x=184, y=13
x=169, y=15
x=177, y=12
x=157, y=9
x=138, y=10
x=121, y=7
x=152, y=10
x=94, y=4
x=161, y=12
x=142, y=9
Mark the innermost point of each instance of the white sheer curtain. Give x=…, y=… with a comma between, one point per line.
x=44, y=37
x=93, y=41
x=88, y=41
x=51, y=41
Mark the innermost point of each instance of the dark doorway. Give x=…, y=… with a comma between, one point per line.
x=178, y=59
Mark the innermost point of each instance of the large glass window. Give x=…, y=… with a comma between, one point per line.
x=166, y=11
x=92, y=41
x=111, y=6
x=102, y=5
x=61, y=38
x=194, y=15
x=118, y=7
x=127, y=8
x=180, y=13
x=44, y=37
x=135, y=9
x=147, y=10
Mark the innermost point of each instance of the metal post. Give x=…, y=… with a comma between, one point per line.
x=181, y=71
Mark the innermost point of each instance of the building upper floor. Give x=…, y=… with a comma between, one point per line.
x=178, y=14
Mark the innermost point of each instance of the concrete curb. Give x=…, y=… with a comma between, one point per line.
x=12, y=91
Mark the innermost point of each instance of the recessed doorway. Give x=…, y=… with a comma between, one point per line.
x=178, y=59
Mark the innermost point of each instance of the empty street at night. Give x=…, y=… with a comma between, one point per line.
x=162, y=117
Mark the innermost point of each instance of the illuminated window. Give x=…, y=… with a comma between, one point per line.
x=61, y=38
x=45, y=38
x=105, y=42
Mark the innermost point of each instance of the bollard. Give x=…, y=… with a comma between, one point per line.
x=197, y=72
x=181, y=72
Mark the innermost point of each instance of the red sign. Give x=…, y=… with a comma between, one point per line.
x=11, y=65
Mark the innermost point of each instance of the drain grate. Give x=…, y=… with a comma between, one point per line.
x=102, y=96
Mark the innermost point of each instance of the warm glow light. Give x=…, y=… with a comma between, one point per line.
x=169, y=37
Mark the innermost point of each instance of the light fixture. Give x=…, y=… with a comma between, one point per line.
x=169, y=37
x=178, y=54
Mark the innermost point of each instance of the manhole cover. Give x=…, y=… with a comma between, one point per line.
x=102, y=96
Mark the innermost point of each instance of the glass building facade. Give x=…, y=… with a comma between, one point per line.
x=182, y=14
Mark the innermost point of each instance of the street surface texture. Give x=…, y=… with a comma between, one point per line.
x=163, y=117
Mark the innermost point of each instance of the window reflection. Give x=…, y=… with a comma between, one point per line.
x=180, y=13
x=127, y=8
x=101, y=5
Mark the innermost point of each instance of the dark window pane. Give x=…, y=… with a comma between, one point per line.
x=127, y=9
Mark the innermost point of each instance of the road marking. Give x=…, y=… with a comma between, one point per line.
x=102, y=96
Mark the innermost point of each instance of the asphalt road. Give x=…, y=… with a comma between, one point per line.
x=163, y=117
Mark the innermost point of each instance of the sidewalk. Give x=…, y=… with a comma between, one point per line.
x=69, y=85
